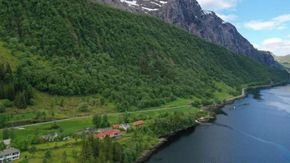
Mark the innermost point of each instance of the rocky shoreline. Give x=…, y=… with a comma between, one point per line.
x=211, y=117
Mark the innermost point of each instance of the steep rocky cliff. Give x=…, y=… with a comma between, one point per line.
x=188, y=15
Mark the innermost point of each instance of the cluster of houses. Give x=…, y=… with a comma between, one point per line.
x=116, y=129
x=9, y=154
x=112, y=132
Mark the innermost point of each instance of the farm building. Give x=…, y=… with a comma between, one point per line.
x=108, y=133
x=139, y=123
x=50, y=137
x=9, y=155
x=124, y=127
x=7, y=142
x=116, y=126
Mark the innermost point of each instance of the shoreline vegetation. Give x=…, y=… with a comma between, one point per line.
x=213, y=109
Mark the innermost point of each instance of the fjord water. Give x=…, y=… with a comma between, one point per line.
x=252, y=130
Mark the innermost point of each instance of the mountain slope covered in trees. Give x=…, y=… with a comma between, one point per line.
x=75, y=47
x=188, y=15
x=13, y=87
x=284, y=60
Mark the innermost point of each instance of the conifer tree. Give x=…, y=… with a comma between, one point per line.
x=20, y=100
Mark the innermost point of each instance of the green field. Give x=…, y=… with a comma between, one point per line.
x=70, y=127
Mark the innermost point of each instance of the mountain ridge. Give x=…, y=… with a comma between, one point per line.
x=188, y=15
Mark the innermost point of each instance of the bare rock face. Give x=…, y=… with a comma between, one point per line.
x=188, y=15
x=206, y=24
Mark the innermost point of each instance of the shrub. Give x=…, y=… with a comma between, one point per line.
x=196, y=103
x=2, y=109
x=6, y=103
x=83, y=107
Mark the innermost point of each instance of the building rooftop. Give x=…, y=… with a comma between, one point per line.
x=8, y=151
x=138, y=123
x=7, y=141
x=109, y=133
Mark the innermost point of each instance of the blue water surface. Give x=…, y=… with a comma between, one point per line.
x=253, y=130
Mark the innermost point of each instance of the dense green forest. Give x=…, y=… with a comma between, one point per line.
x=78, y=47
x=95, y=151
x=13, y=87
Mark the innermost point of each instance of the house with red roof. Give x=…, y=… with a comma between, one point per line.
x=108, y=133
x=116, y=126
x=138, y=123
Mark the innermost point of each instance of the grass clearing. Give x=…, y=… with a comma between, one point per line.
x=47, y=106
x=57, y=153
x=5, y=55
x=223, y=91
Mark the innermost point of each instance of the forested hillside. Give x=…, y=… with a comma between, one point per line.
x=13, y=87
x=284, y=60
x=76, y=47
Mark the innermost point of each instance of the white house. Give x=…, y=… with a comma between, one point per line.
x=7, y=142
x=125, y=127
x=50, y=137
x=9, y=154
